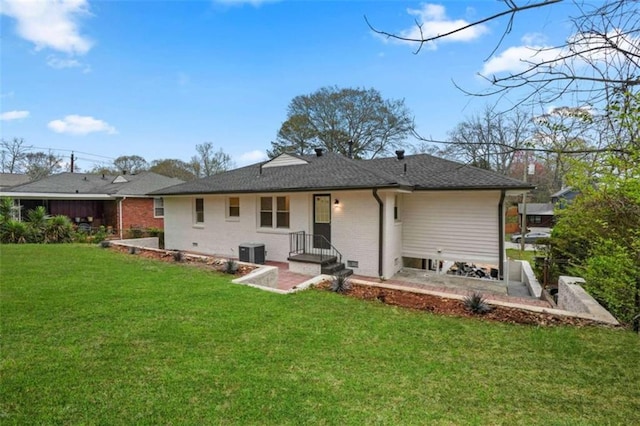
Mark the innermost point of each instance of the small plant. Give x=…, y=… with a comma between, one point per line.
x=178, y=256
x=340, y=284
x=136, y=232
x=477, y=304
x=100, y=235
x=230, y=266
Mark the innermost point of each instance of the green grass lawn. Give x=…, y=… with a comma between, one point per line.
x=91, y=336
x=517, y=254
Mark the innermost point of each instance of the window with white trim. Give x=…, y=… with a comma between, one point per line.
x=233, y=207
x=158, y=207
x=199, y=210
x=274, y=206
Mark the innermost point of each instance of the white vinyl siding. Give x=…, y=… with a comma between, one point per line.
x=452, y=225
x=284, y=160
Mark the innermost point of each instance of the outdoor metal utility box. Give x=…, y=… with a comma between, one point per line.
x=252, y=253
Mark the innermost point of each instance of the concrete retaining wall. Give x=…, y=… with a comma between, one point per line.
x=149, y=242
x=264, y=276
x=572, y=297
x=520, y=270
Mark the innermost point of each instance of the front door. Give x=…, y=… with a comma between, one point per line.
x=322, y=221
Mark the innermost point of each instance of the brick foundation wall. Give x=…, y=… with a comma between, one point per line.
x=138, y=213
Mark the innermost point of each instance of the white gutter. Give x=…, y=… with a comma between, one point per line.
x=53, y=196
x=120, y=216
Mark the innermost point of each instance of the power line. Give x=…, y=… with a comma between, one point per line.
x=73, y=151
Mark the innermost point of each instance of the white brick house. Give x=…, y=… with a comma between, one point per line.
x=375, y=214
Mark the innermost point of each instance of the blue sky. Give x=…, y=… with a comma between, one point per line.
x=155, y=78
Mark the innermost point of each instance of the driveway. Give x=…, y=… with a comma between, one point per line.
x=527, y=247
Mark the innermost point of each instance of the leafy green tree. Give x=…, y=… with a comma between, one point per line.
x=173, y=168
x=599, y=233
x=347, y=121
x=130, y=164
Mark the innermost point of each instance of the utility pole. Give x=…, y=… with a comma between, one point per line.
x=523, y=228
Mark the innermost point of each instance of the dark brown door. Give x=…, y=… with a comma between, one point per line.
x=322, y=221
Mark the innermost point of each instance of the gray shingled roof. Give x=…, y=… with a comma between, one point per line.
x=543, y=209
x=333, y=172
x=86, y=183
x=8, y=180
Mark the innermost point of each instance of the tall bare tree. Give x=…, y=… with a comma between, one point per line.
x=208, y=161
x=490, y=140
x=12, y=155
x=42, y=164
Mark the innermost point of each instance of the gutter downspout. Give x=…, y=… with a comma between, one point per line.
x=120, y=216
x=501, y=235
x=380, y=229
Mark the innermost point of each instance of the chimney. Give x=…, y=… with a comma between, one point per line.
x=400, y=154
x=319, y=152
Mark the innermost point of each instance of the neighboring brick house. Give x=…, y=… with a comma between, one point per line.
x=370, y=216
x=118, y=202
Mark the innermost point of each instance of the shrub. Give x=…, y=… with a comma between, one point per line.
x=100, y=235
x=178, y=256
x=58, y=230
x=230, y=266
x=340, y=284
x=14, y=232
x=476, y=304
x=610, y=277
x=37, y=223
x=135, y=232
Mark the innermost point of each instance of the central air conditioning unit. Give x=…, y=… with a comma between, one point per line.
x=252, y=253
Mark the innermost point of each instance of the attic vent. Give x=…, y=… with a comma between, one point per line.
x=319, y=152
x=400, y=154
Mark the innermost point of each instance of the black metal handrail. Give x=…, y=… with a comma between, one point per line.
x=302, y=243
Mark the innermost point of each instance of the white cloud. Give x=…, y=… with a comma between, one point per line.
x=13, y=115
x=518, y=59
x=433, y=21
x=51, y=24
x=251, y=157
x=581, y=49
x=80, y=125
x=241, y=2
x=61, y=63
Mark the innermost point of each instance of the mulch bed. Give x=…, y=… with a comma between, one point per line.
x=454, y=307
x=205, y=262
x=401, y=298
